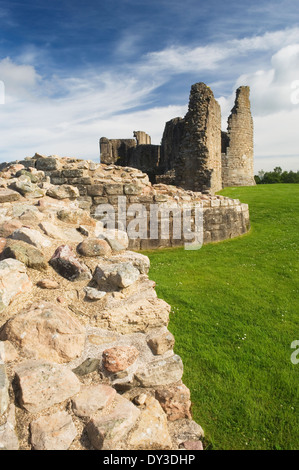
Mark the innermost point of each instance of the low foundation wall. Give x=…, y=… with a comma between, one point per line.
x=126, y=187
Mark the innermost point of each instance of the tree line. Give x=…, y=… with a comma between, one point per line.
x=276, y=176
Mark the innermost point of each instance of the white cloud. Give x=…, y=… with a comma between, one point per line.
x=271, y=88
x=176, y=60
x=275, y=108
x=67, y=116
x=19, y=80
x=277, y=134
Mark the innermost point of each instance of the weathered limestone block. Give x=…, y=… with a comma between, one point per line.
x=13, y=281
x=27, y=188
x=43, y=384
x=4, y=397
x=31, y=216
x=84, y=203
x=8, y=195
x=139, y=261
x=31, y=236
x=175, y=401
x=64, y=191
x=8, y=353
x=73, y=173
x=184, y=430
x=107, y=431
x=94, y=294
x=118, y=276
x=114, y=189
x=151, y=431
x=49, y=205
x=160, y=372
x=57, y=180
x=95, y=190
x=117, y=239
x=12, y=168
x=93, y=398
x=52, y=231
x=54, y=432
x=46, y=331
x=47, y=164
x=35, y=176
x=132, y=189
x=9, y=226
x=8, y=437
x=137, y=316
x=160, y=341
x=76, y=217
x=27, y=254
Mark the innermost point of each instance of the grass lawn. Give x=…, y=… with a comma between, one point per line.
x=235, y=308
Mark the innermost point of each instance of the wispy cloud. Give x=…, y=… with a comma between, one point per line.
x=67, y=114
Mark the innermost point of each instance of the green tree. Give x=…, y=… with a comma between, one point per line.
x=276, y=176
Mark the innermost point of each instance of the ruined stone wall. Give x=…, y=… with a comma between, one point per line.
x=198, y=166
x=146, y=158
x=103, y=184
x=137, y=153
x=194, y=154
x=237, y=156
x=102, y=373
x=170, y=144
x=116, y=150
x=142, y=138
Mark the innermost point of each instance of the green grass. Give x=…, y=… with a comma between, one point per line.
x=234, y=315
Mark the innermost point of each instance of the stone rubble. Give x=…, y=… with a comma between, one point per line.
x=43, y=384
x=4, y=397
x=8, y=437
x=54, y=432
x=86, y=359
x=46, y=331
x=13, y=281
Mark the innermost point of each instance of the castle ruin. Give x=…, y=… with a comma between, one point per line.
x=194, y=153
x=237, y=143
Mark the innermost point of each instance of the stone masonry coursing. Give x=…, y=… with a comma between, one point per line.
x=98, y=184
x=86, y=359
x=194, y=153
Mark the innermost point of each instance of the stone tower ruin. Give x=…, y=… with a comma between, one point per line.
x=194, y=153
x=198, y=164
x=237, y=143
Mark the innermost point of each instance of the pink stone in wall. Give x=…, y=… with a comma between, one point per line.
x=119, y=358
x=67, y=265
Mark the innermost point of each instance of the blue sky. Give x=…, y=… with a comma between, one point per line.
x=72, y=71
